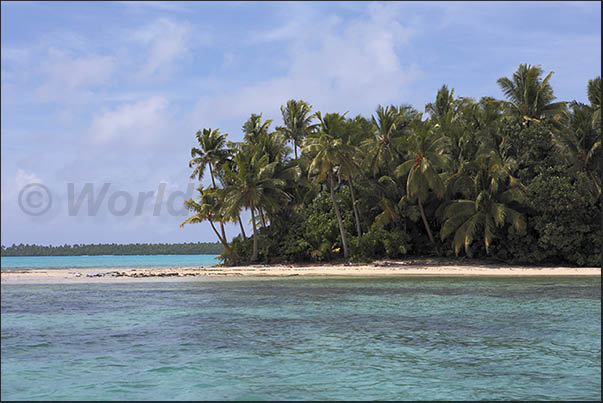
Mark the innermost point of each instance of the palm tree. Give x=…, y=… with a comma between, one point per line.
x=530, y=97
x=594, y=96
x=254, y=129
x=211, y=153
x=383, y=145
x=580, y=142
x=252, y=184
x=329, y=153
x=423, y=160
x=394, y=208
x=208, y=209
x=452, y=119
x=274, y=145
x=351, y=133
x=297, y=122
x=485, y=119
x=494, y=188
x=443, y=107
x=257, y=133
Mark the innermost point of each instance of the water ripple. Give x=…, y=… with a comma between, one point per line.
x=300, y=339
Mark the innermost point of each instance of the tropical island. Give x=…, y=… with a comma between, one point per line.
x=514, y=181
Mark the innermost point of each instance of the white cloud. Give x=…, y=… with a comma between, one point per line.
x=66, y=67
x=334, y=65
x=11, y=187
x=56, y=67
x=23, y=178
x=137, y=123
x=65, y=73
x=166, y=41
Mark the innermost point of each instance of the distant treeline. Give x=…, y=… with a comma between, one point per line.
x=189, y=248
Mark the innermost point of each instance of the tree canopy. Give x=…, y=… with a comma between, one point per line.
x=514, y=179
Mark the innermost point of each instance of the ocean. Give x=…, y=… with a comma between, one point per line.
x=402, y=338
x=12, y=263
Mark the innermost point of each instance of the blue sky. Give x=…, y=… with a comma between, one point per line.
x=100, y=92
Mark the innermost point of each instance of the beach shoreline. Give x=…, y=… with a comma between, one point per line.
x=395, y=268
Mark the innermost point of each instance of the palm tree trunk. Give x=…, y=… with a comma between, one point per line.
x=211, y=173
x=355, y=207
x=254, y=255
x=213, y=182
x=425, y=222
x=261, y=213
x=595, y=182
x=216, y=231
x=295, y=148
x=346, y=255
x=222, y=240
x=242, y=228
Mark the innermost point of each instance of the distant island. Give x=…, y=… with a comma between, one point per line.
x=187, y=248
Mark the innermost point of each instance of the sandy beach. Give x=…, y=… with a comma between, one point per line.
x=421, y=267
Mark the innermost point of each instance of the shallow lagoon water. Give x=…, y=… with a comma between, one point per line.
x=12, y=263
x=405, y=338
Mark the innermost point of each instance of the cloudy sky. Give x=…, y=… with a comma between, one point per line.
x=96, y=93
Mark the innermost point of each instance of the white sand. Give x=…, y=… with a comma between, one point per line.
x=419, y=267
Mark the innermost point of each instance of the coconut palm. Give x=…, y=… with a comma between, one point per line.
x=443, y=107
x=329, y=153
x=494, y=190
x=254, y=129
x=274, y=145
x=252, y=184
x=452, y=118
x=424, y=158
x=594, y=96
x=351, y=133
x=580, y=142
x=394, y=208
x=211, y=153
x=530, y=97
x=383, y=145
x=207, y=209
x=257, y=133
x=297, y=122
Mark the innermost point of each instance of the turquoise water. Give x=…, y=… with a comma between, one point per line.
x=408, y=338
x=62, y=262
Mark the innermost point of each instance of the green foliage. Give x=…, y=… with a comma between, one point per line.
x=530, y=96
x=379, y=243
x=297, y=122
x=564, y=223
x=533, y=149
x=516, y=180
x=594, y=96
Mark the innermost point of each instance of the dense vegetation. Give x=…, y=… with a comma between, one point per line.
x=190, y=248
x=515, y=180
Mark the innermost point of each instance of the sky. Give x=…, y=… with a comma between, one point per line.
x=101, y=100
